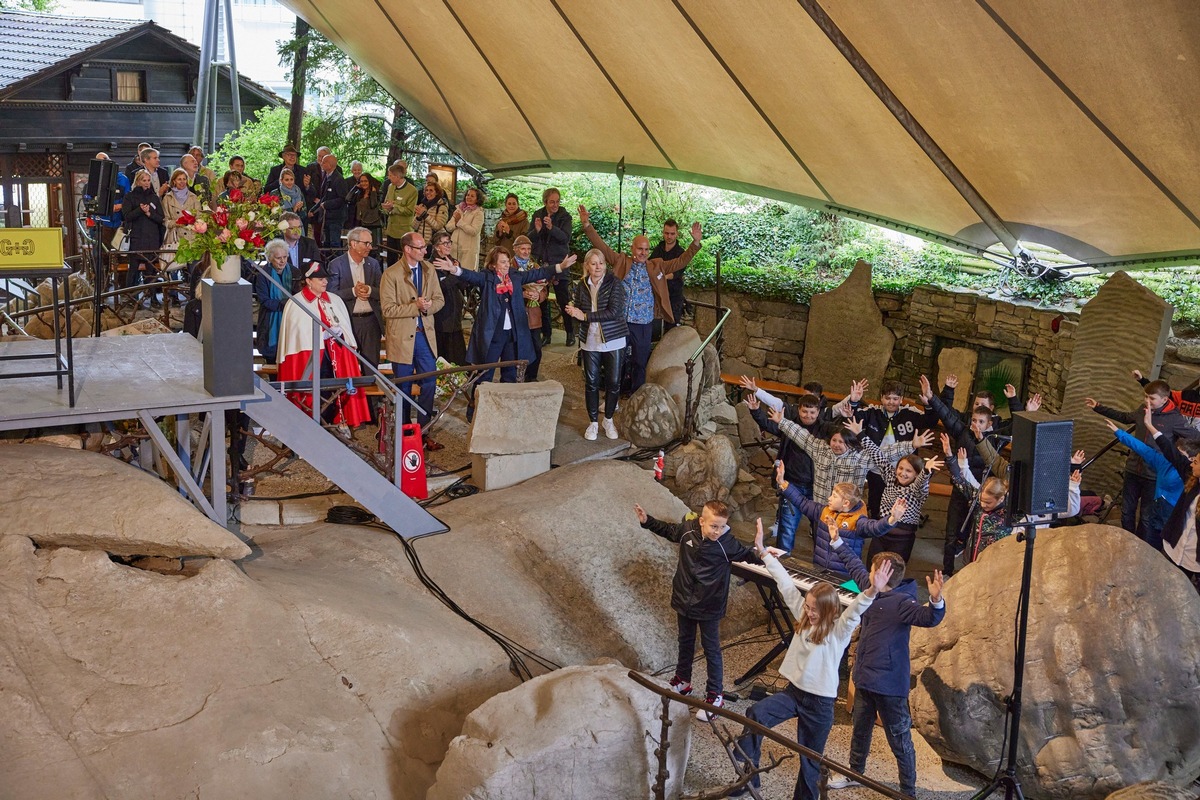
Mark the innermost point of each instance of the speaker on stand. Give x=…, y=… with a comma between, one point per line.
x=99, y=198
x=1040, y=480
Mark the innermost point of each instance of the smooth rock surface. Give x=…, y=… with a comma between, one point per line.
x=846, y=340
x=585, y=733
x=1110, y=697
x=514, y=418
x=673, y=350
x=128, y=512
x=322, y=667
x=1152, y=790
x=649, y=417
x=490, y=472
x=674, y=379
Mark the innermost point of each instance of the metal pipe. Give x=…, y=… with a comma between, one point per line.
x=231, y=57
x=907, y=121
x=206, y=57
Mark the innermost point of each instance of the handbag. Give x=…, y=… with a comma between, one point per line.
x=120, y=240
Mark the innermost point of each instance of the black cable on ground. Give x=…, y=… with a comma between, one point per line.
x=352, y=515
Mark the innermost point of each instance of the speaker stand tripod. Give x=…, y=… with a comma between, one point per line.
x=1008, y=778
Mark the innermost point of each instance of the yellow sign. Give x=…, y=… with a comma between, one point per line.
x=30, y=248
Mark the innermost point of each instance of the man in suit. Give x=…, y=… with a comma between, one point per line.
x=160, y=179
x=330, y=209
x=302, y=251
x=290, y=156
x=354, y=277
x=132, y=167
x=410, y=295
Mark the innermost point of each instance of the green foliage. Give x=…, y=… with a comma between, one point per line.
x=27, y=5
x=995, y=379
x=259, y=141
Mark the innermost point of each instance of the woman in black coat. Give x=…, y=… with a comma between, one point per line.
x=598, y=303
x=491, y=338
x=1180, y=541
x=448, y=320
x=143, y=210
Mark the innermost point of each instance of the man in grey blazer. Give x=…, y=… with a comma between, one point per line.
x=354, y=276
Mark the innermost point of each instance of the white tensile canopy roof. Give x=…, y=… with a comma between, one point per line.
x=1076, y=121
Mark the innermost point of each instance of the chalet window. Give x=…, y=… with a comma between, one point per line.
x=130, y=86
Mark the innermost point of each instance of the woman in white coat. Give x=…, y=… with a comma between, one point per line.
x=465, y=226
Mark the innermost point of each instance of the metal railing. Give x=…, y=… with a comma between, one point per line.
x=692, y=399
x=745, y=771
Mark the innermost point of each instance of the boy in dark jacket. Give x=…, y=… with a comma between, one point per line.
x=882, y=663
x=798, y=465
x=1138, y=488
x=700, y=589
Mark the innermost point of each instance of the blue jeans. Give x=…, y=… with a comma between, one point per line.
x=789, y=520
x=814, y=720
x=423, y=361
x=710, y=640
x=331, y=234
x=897, y=725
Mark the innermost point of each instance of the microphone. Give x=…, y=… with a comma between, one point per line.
x=999, y=437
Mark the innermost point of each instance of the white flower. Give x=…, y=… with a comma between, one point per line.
x=250, y=216
x=239, y=243
x=283, y=225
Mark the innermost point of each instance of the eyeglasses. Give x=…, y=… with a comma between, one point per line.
x=361, y=241
x=414, y=247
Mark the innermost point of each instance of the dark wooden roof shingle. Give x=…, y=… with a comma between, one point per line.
x=32, y=43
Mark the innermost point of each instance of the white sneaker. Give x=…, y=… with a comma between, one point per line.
x=843, y=783
x=592, y=430
x=610, y=430
x=716, y=702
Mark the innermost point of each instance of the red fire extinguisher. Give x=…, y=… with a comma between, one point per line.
x=412, y=455
x=658, y=466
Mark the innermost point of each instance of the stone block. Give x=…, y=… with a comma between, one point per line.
x=496, y=471
x=259, y=512
x=515, y=418
x=779, y=328
x=304, y=510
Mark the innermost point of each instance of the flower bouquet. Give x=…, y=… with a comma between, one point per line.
x=229, y=229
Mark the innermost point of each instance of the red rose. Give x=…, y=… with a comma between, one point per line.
x=236, y=195
x=185, y=219
x=258, y=241
x=245, y=234
x=269, y=200
x=221, y=218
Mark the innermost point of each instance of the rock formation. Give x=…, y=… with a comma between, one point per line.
x=1124, y=327
x=90, y=501
x=579, y=732
x=846, y=339
x=321, y=667
x=513, y=431
x=1110, y=695
x=649, y=417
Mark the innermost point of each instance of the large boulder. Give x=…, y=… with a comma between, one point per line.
x=704, y=470
x=675, y=381
x=1153, y=790
x=580, y=732
x=838, y=317
x=1110, y=695
x=650, y=417
x=324, y=666
x=673, y=350
x=126, y=511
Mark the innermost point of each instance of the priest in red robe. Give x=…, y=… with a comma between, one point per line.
x=337, y=360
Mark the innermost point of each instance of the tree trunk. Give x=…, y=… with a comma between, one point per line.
x=299, y=78
x=399, y=133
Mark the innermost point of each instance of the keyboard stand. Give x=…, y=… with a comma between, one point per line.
x=780, y=621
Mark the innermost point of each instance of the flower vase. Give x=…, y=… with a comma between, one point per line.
x=228, y=271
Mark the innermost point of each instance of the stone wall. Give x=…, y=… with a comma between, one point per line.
x=767, y=337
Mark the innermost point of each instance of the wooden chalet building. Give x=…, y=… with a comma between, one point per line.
x=74, y=86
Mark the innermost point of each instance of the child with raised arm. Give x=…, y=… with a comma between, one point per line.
x=843, y=511
x=1180, y=541
x=798, y=464
x=882, y=663
x=838, y=459
x=700, y=590
x=822, y=632
x=1168, y=484
x=910, y=480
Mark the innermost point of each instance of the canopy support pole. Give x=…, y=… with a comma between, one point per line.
x=907, y=121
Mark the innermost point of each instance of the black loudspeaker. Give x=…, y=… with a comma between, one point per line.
x=1041, y=461
x=102, y=185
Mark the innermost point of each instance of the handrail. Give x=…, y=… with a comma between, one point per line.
x=690, y=404
x=763, y=731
